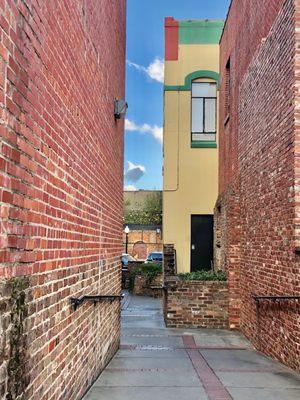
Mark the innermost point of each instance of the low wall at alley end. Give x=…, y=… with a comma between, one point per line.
x=195, y=304
x=144, y=287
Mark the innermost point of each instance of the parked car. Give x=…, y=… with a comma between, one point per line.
x=125, y=259
x=155, y=256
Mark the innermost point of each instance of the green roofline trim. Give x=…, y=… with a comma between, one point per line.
x=200, y=32
x=201, y=23
x=189, y=79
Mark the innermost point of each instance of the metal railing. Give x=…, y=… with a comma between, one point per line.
x=77, y=301
x=257, y=298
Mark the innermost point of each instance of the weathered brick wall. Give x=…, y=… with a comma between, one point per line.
x=266, y=158
x=248, y=22
x=126, y=272
x=61, y=178
x=151, y=239
x=257, y=189
x=142, y=287
x=227, y=247
x=14, y=354
x=196, y=304
x=297, y=131
x=169, y=260
x=219, y=237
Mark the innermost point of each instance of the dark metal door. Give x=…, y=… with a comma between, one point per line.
x=202, y=242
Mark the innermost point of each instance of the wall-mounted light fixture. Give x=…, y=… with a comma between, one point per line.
x=120, y=108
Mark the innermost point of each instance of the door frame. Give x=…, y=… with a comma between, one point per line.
x=191, y=238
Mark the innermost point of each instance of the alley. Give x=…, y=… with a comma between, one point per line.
x=159, y=363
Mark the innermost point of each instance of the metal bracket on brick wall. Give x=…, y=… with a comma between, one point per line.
x=77, y=301
x=257, y=299
x=273, y=299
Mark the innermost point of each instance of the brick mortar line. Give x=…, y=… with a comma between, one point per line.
x=247, y=370
x=180, y=369
x=142, y=369
x=141, y=335
x=212, y=385
x=125, y=346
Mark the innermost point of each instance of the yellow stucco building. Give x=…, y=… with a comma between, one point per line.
x=190, y=139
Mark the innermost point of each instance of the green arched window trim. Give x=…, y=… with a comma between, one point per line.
x=190, y=77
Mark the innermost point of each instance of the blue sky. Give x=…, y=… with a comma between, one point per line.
x=144, y=87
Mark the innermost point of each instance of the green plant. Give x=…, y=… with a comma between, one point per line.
x=150, y=271
x=149, y=214
x=204, y=276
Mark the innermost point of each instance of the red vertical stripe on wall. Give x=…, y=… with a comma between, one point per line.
x=171, y=39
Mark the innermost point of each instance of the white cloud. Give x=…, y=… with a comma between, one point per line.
x=136, y=66
x=130, y=125
x=157, y=132
x=130, y=188
x=154, y=130
x=134, y=172
x=155, y=69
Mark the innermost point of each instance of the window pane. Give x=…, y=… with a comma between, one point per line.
x=210, y=115
x=197, y=115
x=204, y=89
x=204, y=136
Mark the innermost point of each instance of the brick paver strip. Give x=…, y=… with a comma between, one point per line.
x=146, y=335
x=142, y=370
x=247, y=370
x=189, y=342
x=222, y=348
x=214, y=388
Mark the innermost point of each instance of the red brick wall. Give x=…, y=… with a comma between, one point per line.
x=262, y=131
x=196, y=304
x=227, y=231
x=142, y=286
x=266, y=159
x=61, y=178
x=247, y=23
x=297, y=134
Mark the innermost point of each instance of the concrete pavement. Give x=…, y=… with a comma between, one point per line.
x=156, y=363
